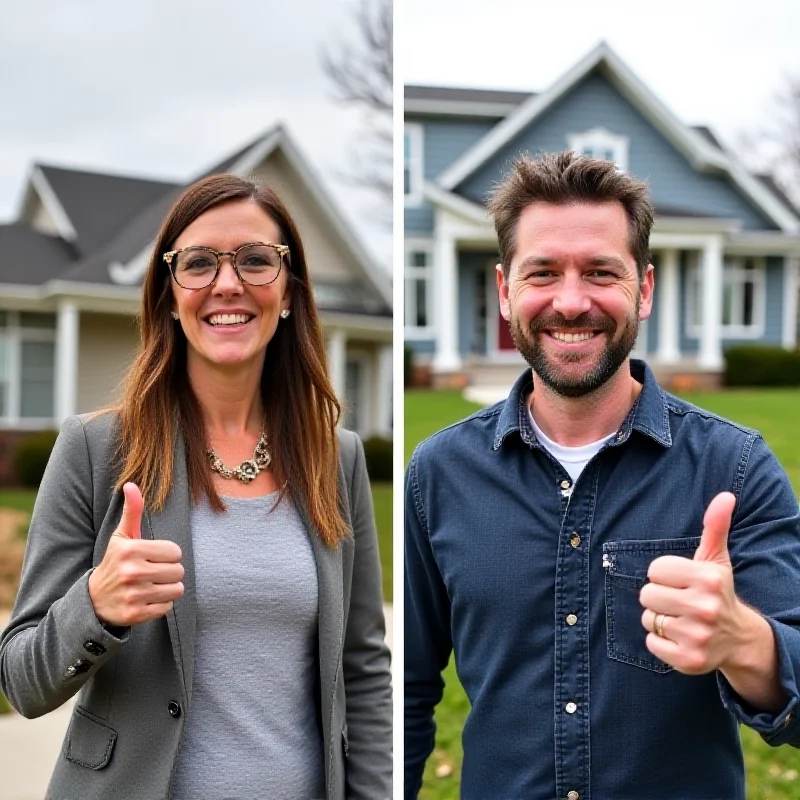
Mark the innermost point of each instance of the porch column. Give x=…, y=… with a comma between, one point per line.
x=445, y=270
x=337, y=348
x=67, y=337
x=382, y=394
x=710, y=356
x=790, y=288
x=667, y=293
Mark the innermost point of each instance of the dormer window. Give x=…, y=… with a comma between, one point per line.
x=601, y=143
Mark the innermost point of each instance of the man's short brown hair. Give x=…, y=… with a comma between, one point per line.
x=566, y=178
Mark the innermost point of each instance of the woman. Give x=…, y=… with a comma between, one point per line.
x=202, y=563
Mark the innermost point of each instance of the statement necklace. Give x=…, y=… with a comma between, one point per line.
x=247, y=470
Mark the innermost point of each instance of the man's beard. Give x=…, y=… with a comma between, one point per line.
x=529, y=343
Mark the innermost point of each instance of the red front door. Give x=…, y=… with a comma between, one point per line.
x=504, y=340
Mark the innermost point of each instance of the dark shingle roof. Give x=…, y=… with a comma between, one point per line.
x=776, y=189
x=127, y=244
x=449, y=93
x=32, y=257
x=708, y=135
x=99, y=205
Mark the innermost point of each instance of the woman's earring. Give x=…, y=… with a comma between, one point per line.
x=175, y=315
x=285, y=313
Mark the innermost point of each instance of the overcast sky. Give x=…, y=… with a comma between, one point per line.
x=166, y=88
x=715, y=62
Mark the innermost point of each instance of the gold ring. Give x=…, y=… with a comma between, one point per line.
x=658, y=625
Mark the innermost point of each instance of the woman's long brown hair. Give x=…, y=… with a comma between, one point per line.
x=300, y=407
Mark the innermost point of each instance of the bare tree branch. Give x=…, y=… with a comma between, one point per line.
x=774, y=147
x=362, y=74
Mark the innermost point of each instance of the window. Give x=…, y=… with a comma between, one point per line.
x=27, y=367
x=743, y=298
x=412, y=164
x=356, y=382
x=601, y=143
x=418, y=290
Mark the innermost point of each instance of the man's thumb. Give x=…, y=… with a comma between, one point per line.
x=130, y=525
x=716, y=525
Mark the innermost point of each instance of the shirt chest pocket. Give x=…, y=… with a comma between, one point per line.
x=625, y=564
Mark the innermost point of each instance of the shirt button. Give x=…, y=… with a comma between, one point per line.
x=573, y=795
x=571, y=708
x=620, y=435
x=575, y=540
x=571, y=619
x=564, y=484
x=174, y=709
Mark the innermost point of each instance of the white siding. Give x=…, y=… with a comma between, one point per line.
x=107, y=345
x=327, y=258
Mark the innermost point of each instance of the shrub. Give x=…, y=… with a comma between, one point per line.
x=378, y=452
x=408, y=366
x=31, y=457
x=5, y=706
x=758, y=365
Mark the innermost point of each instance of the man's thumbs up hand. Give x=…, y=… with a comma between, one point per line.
x=138, y=579
x=691, y=610
x=716, y=526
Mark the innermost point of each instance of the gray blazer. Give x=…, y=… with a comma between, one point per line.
x=135, y=690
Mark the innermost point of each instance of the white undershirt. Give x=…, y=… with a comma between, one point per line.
x=573, y=459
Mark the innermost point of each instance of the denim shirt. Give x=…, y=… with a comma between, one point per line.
x=534, y=583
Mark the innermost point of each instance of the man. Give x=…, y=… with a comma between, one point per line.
x=593, y=549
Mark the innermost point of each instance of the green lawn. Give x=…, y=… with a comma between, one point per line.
x=772, y=773
x=382, y=500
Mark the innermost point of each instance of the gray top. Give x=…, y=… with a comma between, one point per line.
x=252, y=729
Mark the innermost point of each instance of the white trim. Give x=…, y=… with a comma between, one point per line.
x=66, y=360
x=416, y=172
x=382, y=401
x=754, y=331
x=445, y=287
x=336, y=347
x=601, y=139
x=703, y=225
x=790, y=290
x=426, y=246
x=701, y=154
x=379, y=328
x=459, y=108
x=50, y=201
x=667, y=295
x=460, y=207
x=279, y=138
x=759, y=243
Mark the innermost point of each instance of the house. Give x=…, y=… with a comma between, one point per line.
x=71, y=267
x=725, y=242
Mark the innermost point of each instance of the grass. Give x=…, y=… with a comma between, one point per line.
x=772, y=773
x=382, y=500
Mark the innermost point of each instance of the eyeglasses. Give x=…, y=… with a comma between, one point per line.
x=197, y=267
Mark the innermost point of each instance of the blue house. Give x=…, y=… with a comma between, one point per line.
x=725, y=243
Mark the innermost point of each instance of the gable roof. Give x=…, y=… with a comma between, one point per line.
x=702, y=154
x=129, y=267
x=98, y=205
